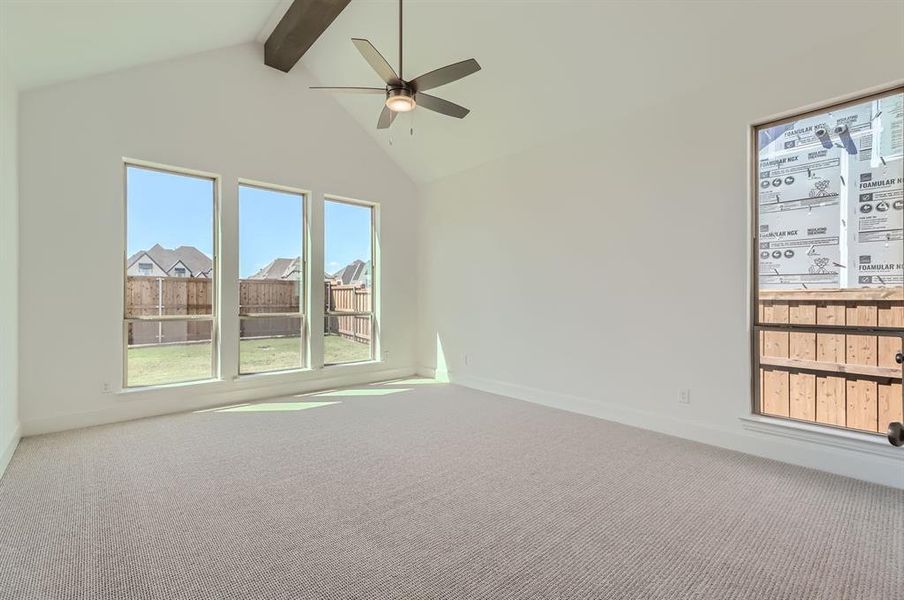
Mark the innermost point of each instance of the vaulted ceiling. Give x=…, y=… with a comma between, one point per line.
x=50, y=41
x=549, y=68
x=554, y=67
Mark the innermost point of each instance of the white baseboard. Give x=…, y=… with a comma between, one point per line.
x=874, y=463
x=427, y=372
x=6, y=454
x=134, y=406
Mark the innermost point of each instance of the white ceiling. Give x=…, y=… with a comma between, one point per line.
x=47, y=41
x=550, y=67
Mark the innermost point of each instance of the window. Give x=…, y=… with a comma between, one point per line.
x=829, y=265
x=180, y=271
x=271, y=279
x=349, y=270
x=169, y=322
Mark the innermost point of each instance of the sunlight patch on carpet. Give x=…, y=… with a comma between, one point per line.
x=361, y=392
x=270, y=407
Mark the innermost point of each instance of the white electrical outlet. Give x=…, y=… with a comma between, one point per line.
x=108, y=388
x=684, y=396
x=467, y=359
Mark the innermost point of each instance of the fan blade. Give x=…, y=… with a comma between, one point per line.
x=444, y=107
x=376, y=61
x=350, y=90
x=445, y=75
x=386, y=118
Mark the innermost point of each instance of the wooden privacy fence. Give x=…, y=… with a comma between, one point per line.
x=832, y=378
x=168, y=296
x=258, y=296
x=348, y=298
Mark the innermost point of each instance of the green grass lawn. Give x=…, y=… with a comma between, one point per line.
x=340, y=350
x=154, y=365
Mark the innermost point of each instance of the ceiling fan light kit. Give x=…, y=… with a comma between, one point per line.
x=400, y=100
x=405, y=96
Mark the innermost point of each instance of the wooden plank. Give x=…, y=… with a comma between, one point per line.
x=774, y=389
x=776, y=312
x=889, y=315
x=836, y=295
x=775, y=393
x=297, y=31
x=761, y=340
x=862, y=349
x=830, y=347
x=775, y=343
x=802, y=400
x=802, y=346
x=830, y=400
x=891, y=405
x=828, y=367
x=862, y=405
x=891, y=402
x=862, y=396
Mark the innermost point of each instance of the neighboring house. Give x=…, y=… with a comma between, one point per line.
x=356, y=272
x=184, y=261
x=280, y=268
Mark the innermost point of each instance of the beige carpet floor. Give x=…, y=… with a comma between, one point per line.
x=429, y=491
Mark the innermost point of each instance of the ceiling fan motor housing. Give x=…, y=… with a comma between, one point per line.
x=401, y=89
x=400, y=98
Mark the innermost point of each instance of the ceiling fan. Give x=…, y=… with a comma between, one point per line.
x=402, y=95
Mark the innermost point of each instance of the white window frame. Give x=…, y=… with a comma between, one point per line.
x=216, y=260
x=375, y=275
x=304, y=301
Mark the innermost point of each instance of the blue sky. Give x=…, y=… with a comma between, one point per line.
x=269, y=227
x=170, y=210
x=347, y=234
x=177, y=210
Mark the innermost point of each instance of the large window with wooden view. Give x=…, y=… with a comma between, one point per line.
x=829, y=265
x=349, y=270
x=272, y=262
x=169, y=325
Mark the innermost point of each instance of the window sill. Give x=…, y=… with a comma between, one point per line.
x=272, y=374
x=167, y=386
x=866, y=443
x=352, y=364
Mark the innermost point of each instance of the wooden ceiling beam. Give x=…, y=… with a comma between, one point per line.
x=298, y=30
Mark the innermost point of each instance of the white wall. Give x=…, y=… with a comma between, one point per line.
x=607, y=271
x=9, y=272
x=222, y=112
